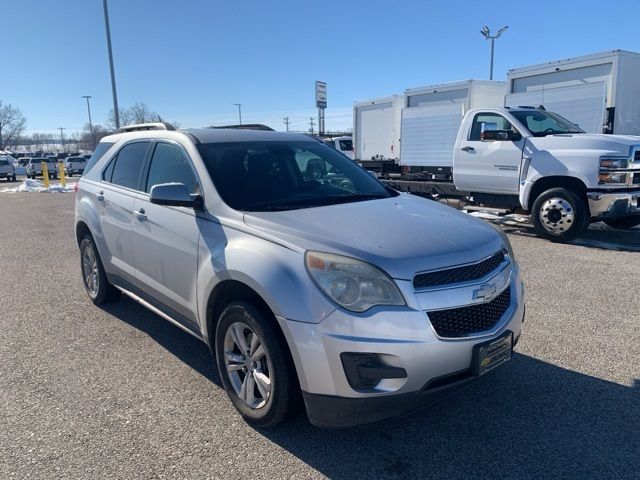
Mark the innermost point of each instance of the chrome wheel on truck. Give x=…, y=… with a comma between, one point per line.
x=559, y=215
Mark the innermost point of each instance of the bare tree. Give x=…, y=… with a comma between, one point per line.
x=12, y=125
x=125, y=118
x=141, y=113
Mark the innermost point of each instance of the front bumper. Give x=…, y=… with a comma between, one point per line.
x=405, y=340
x=614, y=204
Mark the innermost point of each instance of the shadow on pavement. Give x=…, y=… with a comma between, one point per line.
x=528, y=419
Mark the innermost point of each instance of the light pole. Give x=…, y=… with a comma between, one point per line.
x=62, y=136
x=93, y=137
x=487, y=35
x=239, y=105
x=116, y=113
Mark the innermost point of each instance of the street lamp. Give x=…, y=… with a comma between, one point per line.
x=116, y=113
x=239, y=105
x=487, y=35
x=93, y=137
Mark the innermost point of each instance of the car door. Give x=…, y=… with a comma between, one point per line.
x=165, y=238
x=488, y=166
x=120, y=182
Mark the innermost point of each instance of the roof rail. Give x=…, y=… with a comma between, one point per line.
x=146, y=126
x=246, y=126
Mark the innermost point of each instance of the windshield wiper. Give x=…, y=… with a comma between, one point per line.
x=313, y=202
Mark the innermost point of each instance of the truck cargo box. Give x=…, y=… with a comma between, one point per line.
x=432, y=117
x=599, y=92
x=376, y=128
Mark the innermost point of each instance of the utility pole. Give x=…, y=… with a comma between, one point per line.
x=286, y=121
x=116, y=112
x=312, y=124
x=487, y=35
x=62, y=136
x=239, y=105
x=93, y=137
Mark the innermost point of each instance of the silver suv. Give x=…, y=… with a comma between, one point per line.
x=310, y=280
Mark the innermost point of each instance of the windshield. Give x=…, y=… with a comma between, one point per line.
x=273, y=176
x=542, y=123
x=4, y=163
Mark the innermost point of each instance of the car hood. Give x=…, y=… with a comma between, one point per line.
x=591, y=141
x=402, y=235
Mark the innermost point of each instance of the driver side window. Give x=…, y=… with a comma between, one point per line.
x=487, y=121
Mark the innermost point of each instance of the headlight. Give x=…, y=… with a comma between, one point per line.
x=614, y=162
x=606, y=178
x=505, y=240
x=351, y=283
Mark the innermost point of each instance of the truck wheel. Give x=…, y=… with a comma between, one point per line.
x=559, y=215
x=623, y=223
x=94, y=277
x=255, y=366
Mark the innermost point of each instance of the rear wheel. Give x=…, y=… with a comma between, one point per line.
x=255, y=366
x=559, y=215
x=93, y=275
x=623, y=223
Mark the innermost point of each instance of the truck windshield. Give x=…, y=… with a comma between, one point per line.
x=542, y=123
x=276, y=176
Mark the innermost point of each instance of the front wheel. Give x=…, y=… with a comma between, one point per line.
x=623, y=223
x=255, y=366
x=559, y=215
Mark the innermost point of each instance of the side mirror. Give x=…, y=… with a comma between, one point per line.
x=174, y=195
x=500, y=135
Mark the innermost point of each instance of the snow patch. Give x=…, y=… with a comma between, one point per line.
x=30, y=185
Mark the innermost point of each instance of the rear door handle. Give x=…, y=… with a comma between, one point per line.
x=100, y=196
x=140, y=214
x=467, y=149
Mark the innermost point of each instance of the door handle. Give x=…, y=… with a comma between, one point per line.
x=100, y=196
x=140, y=214
x=467, y=149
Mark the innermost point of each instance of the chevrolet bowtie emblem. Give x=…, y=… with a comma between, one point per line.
x=485, y=292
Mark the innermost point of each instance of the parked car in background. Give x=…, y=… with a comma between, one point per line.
x=7, y=170
x=34, y=168
x=75, y=165
x=314, y=285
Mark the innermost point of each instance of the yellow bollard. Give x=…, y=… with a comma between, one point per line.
x=63, y=179
x=45, y=175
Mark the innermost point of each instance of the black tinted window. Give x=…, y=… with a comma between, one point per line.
x=128, y=165
x=488, y=121
x=100, y=150
x=170, y=163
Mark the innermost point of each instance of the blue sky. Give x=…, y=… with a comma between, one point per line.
x=192, y=60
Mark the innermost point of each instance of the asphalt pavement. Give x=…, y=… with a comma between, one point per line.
x=116, y=392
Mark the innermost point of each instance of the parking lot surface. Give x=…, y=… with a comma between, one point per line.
x=116, y=392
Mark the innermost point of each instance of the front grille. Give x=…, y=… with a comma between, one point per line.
x=458, y=274
x=458, y=322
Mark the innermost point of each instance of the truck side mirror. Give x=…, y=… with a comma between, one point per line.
x=500, y=135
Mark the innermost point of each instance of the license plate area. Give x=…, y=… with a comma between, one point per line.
x=491, y=354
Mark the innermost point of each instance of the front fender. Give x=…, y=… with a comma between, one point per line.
x=274, y=272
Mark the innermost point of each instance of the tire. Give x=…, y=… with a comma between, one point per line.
x=623, y=223
x=559, y=215
x=262, y=405
x=13, y=178
x=93, y=272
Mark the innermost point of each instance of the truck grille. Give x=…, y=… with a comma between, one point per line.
x=458, y=274
x=458, y=322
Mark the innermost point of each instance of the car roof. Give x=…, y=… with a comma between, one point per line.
x=212, y=135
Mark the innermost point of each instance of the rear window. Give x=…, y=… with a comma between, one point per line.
x=128, y=165
x=99, y=152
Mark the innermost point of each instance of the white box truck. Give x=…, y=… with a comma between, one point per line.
x=376, y=129
x=600, y=92
x=431, y=120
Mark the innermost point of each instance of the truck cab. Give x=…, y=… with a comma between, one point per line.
x=537, y=160
x=343, y=144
